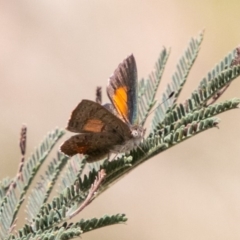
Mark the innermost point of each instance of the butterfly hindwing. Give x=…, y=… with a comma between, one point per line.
x=96, y=146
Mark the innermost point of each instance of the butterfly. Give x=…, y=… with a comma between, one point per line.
x=109, y=128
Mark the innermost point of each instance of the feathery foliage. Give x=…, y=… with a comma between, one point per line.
x=179, y=78
x=148, y=88
x=14, y=196
x=39, y=195
x=80, y=184
x=74, y=170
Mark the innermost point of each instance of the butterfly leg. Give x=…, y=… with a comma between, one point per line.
x=110, y=160
x=141, y=149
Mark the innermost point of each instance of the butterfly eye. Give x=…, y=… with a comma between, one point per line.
x=134, y=133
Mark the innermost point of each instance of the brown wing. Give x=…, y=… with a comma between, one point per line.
x=122, y=90
x=95, y=145
x=90, y=116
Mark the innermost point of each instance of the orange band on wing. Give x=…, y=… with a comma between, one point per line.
x=82, y=149
x=93, y=125
x=120, y=101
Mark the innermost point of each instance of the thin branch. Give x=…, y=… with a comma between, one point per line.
x=22, y=144
x=92, y=192
x=234, y=62
x=218, y=95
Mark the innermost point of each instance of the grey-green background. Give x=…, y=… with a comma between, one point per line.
x=54, y=53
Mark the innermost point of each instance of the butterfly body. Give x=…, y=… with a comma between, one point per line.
x=129, y=143
x=110, y=128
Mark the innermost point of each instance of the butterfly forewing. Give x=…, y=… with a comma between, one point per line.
x=90, y=116
x=122, y=90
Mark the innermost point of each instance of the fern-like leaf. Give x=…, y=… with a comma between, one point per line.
x=12, y=202
x=41, y=192
x=211, y=88
x=185, y=114
x=106, y=220
x=148, y=88
x=184, y=66
x=218, y=69
x=179, y=77
x=4, y=186
x=71, y=230
x=150, y=147
x=74, y=170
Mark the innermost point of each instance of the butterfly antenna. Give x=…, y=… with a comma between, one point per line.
x=169, y=97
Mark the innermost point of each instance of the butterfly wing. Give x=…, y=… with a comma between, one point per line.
x=92, y=117
x=122, y=90
x=96, y=146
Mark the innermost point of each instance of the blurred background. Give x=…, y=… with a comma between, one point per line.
x=54, y=53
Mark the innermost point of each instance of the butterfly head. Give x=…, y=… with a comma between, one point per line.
x=137, y=132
